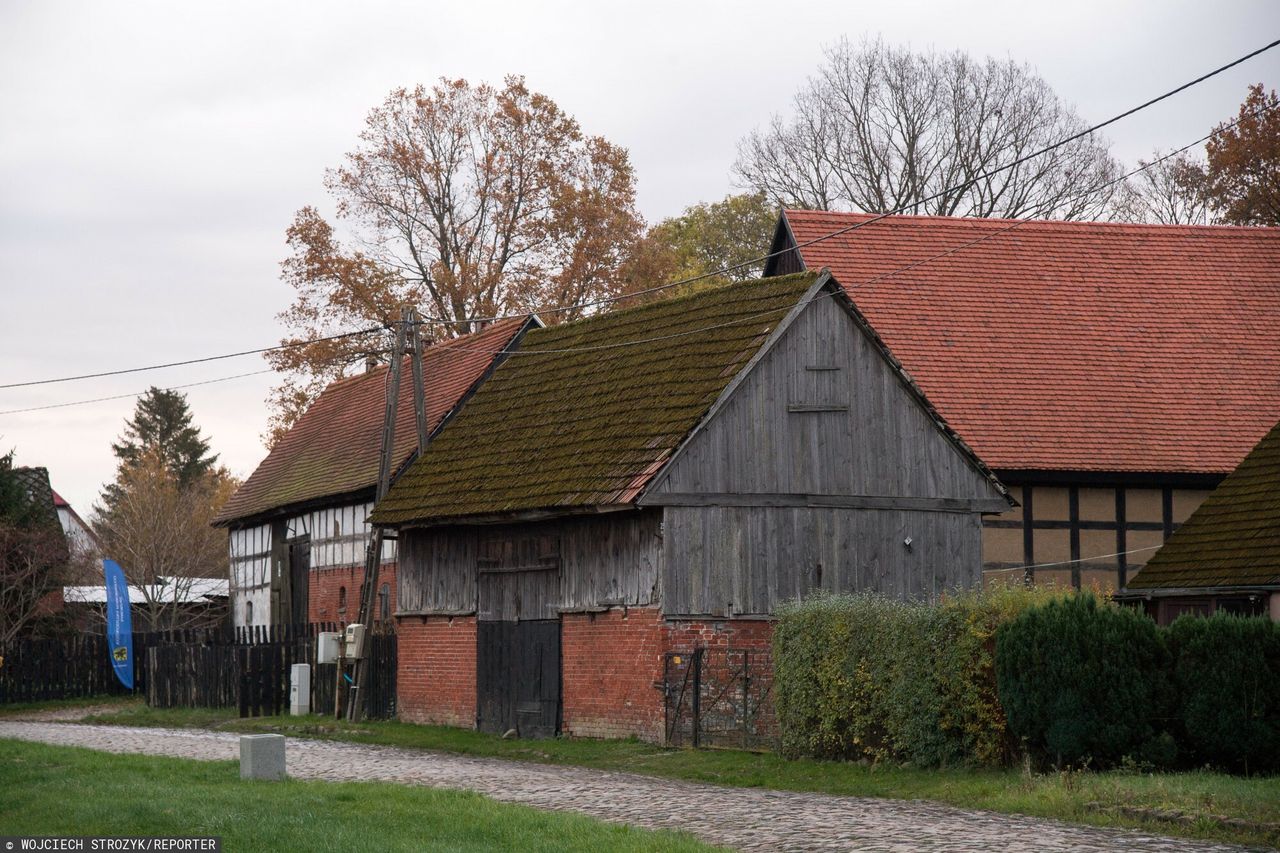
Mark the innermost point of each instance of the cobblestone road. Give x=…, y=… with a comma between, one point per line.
x=749, y=819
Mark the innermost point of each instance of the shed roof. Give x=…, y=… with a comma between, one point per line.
x=585, y=413
x=1072, y=346
x=1233, y=538
x=334, y=447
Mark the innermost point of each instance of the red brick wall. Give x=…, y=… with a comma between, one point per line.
x=324, y=596
x=436, y=670
x=687, y=634
x=612, y=674
x=611, y=665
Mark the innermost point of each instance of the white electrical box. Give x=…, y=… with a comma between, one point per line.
x=300, y=689
x=355, y=640
x=327, y=647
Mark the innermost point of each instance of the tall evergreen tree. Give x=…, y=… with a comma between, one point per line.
x=162, y=422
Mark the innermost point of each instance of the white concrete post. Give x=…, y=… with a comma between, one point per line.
x=262, y=757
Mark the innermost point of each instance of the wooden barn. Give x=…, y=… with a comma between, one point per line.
x=298, y=525
x=1110, y=374
x=1226, y=557
x=662, y=478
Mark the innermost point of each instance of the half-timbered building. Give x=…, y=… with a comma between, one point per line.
x=661, y=478
x=298, y=525
x=1110, y=374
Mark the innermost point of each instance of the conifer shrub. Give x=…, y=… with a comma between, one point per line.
x=1085, y=683
x=1227, y=673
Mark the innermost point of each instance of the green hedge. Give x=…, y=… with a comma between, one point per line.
x=1065, y=678
x=867, y=677
x=1084, y=683
x=1227, y=673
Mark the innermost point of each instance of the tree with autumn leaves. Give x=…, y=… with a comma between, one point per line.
x=1238, y=182
x=463, y=201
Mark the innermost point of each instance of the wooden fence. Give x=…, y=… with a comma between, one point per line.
x=253, y=673
x=244, y=668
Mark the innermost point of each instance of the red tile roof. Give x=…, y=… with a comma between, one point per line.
x=1074, y=346
x=333, y=449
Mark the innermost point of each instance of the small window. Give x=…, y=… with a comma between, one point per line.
x=248, y=613
x=384, y=603
x=342, y=599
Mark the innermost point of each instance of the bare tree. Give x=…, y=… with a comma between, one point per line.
x=30, y=557
x=1166, y=192
x=160, y=532
x=882, y=128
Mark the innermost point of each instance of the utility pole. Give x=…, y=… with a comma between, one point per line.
x=360, y=680
x=419, y=398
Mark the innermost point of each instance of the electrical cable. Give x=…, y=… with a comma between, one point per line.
x=693, y=279
x=133, y=394
x=748, y=319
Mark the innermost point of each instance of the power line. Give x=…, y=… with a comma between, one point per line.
x=1073, y=562
x=505, y=351
x=703, y=276
x=888, y=274
x=900, y=209
x=191, y=360
x=134, y=394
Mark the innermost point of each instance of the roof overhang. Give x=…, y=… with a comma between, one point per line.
x=1194, y=591
x=1080, y=477
x=361, y=495
x=519, y=517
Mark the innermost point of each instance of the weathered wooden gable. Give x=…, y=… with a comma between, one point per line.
x=821, y=467
x=823, y=412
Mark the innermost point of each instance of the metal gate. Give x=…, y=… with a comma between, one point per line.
x=720, y=697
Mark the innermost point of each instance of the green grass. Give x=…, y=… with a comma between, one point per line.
x=1094, y=798
x=54, y=790
x=22, y=709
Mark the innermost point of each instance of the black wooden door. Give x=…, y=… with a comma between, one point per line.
x=299, y=580
x=518, y=677
x=518, y=635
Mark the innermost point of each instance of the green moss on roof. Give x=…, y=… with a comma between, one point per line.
x=1233, y=538
x=584, y=413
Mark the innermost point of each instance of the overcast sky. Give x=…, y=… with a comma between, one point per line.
x=152, y=154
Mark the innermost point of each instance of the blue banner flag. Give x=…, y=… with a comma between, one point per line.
x=119, y=622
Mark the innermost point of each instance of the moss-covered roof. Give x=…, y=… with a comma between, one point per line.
x=585, y=413
x=1233, y=538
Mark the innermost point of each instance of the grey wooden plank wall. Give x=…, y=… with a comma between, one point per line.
x=727, y=561
x=604, y=560
x=823, y=413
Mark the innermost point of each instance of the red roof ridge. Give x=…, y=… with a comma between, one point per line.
x=920, y=219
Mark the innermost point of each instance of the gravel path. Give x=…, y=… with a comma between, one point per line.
x=746, y=818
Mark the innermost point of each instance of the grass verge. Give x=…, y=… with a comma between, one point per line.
x=56, y=790
x=1196, y=804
